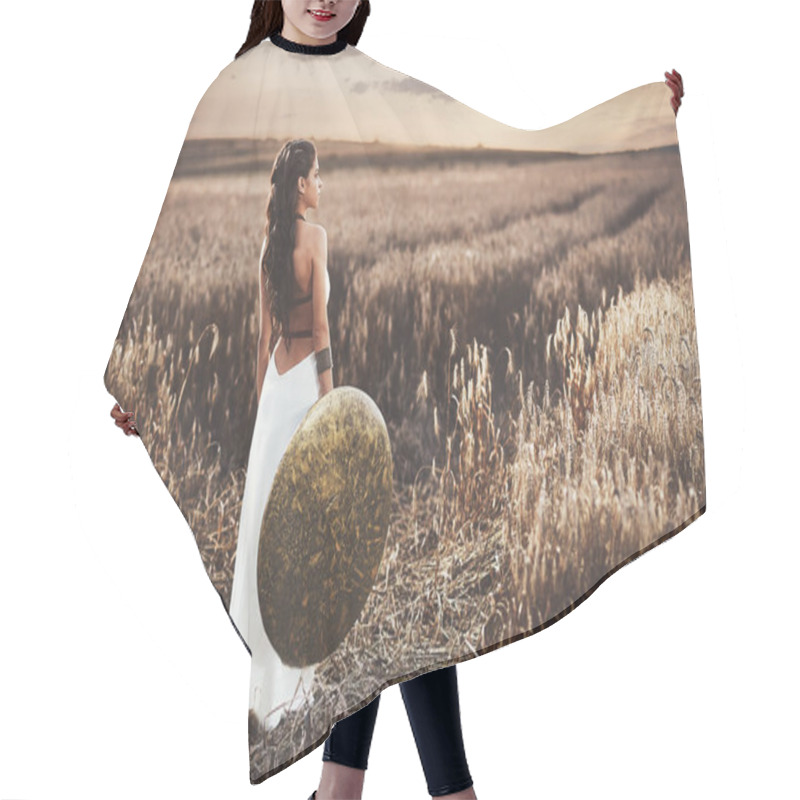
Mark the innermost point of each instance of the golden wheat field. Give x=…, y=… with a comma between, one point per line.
x=527, y=331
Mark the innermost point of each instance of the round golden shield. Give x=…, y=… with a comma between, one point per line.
x=324, y=526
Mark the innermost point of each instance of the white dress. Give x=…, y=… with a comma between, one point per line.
x=285, y=399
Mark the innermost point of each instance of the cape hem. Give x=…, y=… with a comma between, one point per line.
x=510, y=640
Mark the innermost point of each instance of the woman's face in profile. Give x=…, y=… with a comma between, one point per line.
x=319, y=19
x=313, y=185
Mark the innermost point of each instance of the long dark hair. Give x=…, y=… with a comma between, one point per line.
x=295, y=159
x=266, y=18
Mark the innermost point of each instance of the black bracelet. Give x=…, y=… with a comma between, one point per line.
x=324, y=360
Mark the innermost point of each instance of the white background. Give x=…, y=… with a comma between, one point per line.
x=120, y=673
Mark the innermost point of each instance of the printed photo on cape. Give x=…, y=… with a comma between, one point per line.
x=516, y=410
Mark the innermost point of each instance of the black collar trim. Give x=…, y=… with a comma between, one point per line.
x=308, y=49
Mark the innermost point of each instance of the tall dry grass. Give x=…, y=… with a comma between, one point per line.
x=484, y=550
x=527, y=329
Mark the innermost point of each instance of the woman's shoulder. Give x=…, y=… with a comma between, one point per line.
x=313, y=232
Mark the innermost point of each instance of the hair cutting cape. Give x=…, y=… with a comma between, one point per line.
x=512, y=308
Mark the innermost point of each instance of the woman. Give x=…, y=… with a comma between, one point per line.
x=312, y=27
x=294, y=368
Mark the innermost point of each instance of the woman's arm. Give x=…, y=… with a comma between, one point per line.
x=319, y=303
x=264, y=330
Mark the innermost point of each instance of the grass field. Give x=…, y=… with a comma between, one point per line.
x=524, y=322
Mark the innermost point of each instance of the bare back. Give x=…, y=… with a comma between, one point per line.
x=301, y=316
